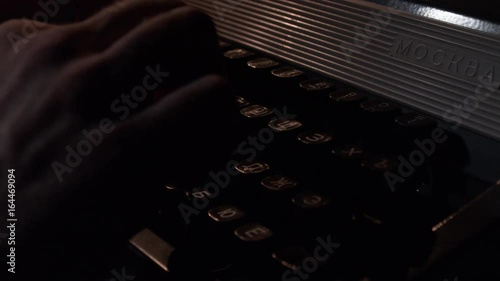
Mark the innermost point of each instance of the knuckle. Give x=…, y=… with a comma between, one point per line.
x=155, y=3
x=135, y=5
x=11, y=25
x=197, y=16
x=164, y=3
x=57, y=38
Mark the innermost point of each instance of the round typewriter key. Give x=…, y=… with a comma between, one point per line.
x=378, y=124
x=224, y=44
x=310, y=200
x=346, y=162
x=283, y=124
x=255, y=111
x=254, y=167
x=284, y=131
x=254, y=118
x=171, y=187
x=278, y=182
x=315, y=84
x=258, y=84
x=201, y=197
x=240, y=102
x=310, y=101
x=314, y=144
x=291, y=256
x=346, y=96
x=312, y=147
x=253, y=232
x=414, y=120
x=345, y=113
x=284, y=89
x=410, y=127
x=379, y=106
x=348, y=151
x=173, y=193
x=237, y=53
x=225, y=213
x=262, y=63
x=199, y=193
x=287, y=72
x=314, y=137
x=379, y=163
x=375, y=176
x=237, y=69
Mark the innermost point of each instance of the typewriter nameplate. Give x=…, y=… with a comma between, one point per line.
x=448, y=60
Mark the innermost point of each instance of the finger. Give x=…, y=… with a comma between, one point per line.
x=182, y=42
x=17, y=33
x=116, y=20
x=183, y=39
x=207, y=90
x=184, y=132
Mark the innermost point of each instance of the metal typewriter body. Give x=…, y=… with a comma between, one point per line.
x=437, y=61
x=432, y=61
x=423, y=57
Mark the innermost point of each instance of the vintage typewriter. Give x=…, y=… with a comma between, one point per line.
x=370, y=149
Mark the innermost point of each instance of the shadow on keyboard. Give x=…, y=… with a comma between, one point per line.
x=328, y=183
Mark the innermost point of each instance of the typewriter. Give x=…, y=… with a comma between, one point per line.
x=369, y=152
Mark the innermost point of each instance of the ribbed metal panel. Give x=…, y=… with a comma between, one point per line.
x=317, y=35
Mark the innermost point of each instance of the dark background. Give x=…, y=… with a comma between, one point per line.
x=73, y=10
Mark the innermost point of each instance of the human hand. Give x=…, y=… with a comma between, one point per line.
x=97, y=113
